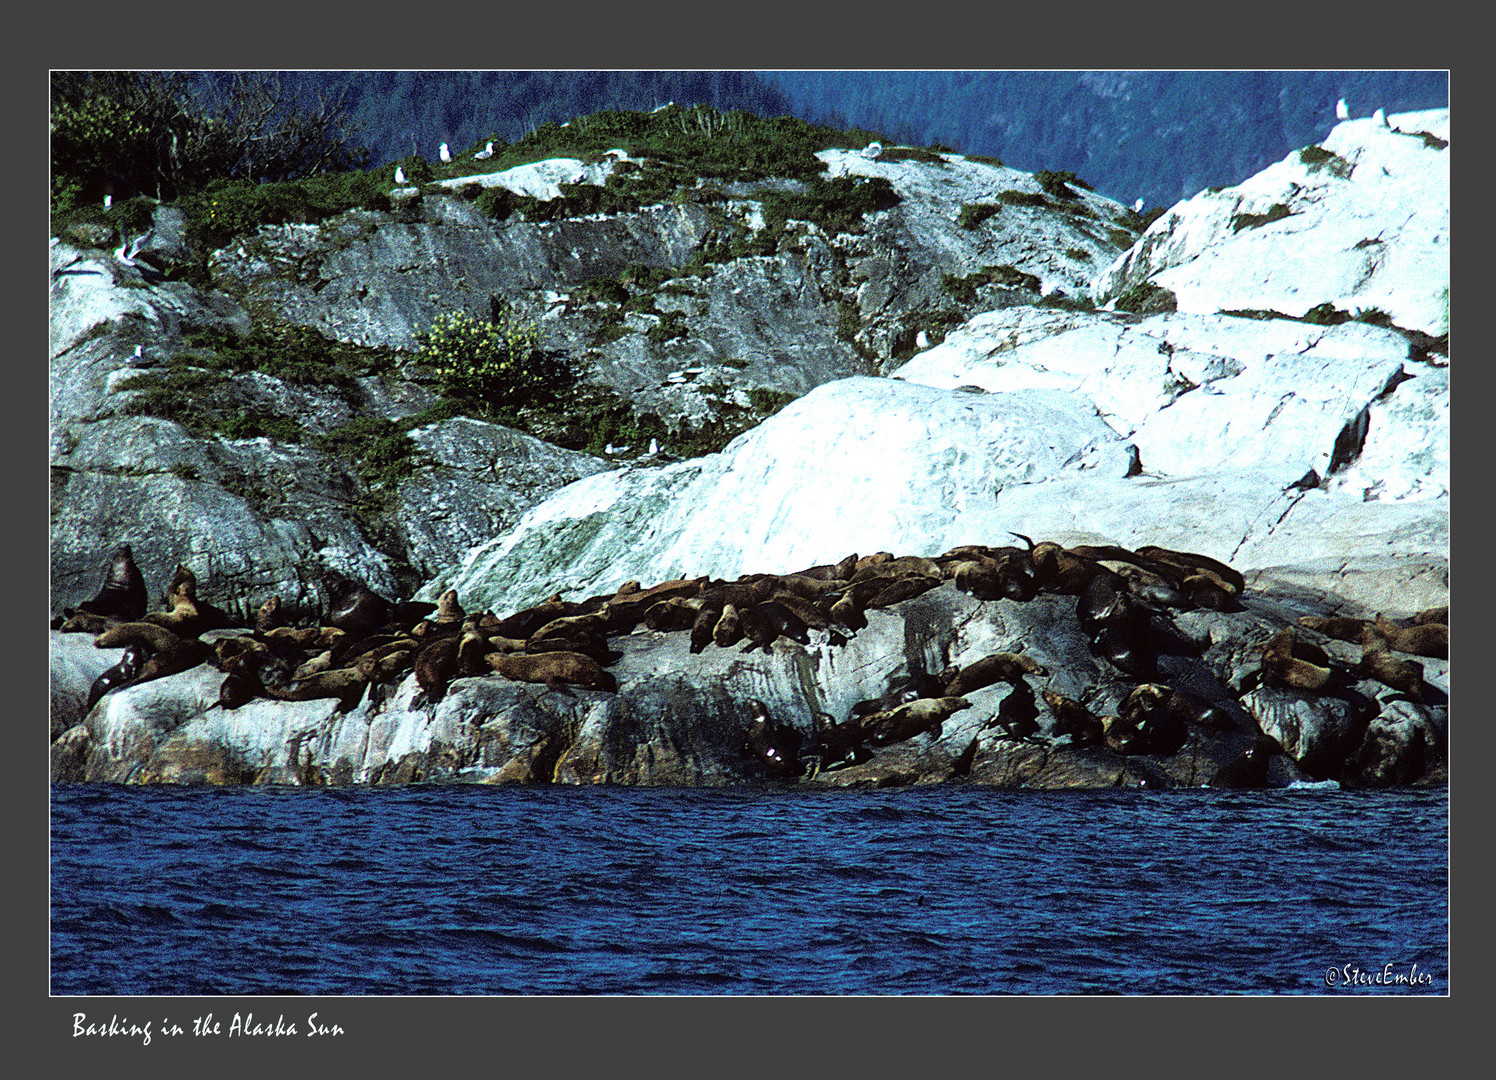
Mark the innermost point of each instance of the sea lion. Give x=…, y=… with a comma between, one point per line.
x=1072, y=718
x=345, y=684
x=729, y=628
x=901, y=589
x=153, y=637
x=1335, y=626
x=1249, y=769
x=838, y=745
x=763, y=624
x=1189, y=562
x=672, y=613
x=1376, y=663
x=436, y=665
x=1421, y=639
x=448, y=609
x=269, y=616
x=1057, y=570
x=909, y=719
x=702, y=627
x=123, y=594
x=845, y=611
x=1003, y=666
x=1433, y=615
x=1151, y=710
x=180, y=655
x=555, y=669
x=84, y=622
x=1205, y=589
x=1018, y=713
x=777, y=746
x=1286, y=661
x=1122, y=736
x=472, y=648
x=120, y=675
x=359, y=610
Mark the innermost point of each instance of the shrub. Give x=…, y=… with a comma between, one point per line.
x=1317, y=157
x=1145, y=298
x=1276, y=212
x=973, y=214
x=1014, y=197
x=1058, y=183
x=380, y=451
x=496, y=362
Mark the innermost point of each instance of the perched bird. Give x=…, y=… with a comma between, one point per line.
x=654, y=446
x=921, y=340
x=129, y=251
x=108, y=201
x=485, y=154
x=399, y=175
x=1137, y=207
x=1380, y=117
x=1342, y=111
x=872, y=150
x=445, y=153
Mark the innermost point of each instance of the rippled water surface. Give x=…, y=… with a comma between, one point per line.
x=952, y=890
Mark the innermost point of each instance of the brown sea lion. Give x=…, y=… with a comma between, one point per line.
x=729, y=628
x=123, y=594
x=472, y=648
x=435, y=665
x=672, y=613
x=1189, y=561
x=702, y=627
x=1122, y=735
x=84, y=622
x=153, y=637
x=1421, y=639
x=1007, y=667
x=448, y=609
x=1151, y=710
x=1336, y=626
x=555, y=669
x=1286, y=661
x=1433, y=615
x=765, y=623
x=1072, y=718
x=269, y=615
x=345, y=684
x=846, y=612
x=910, y=719
x=1396, y=672
x=359, y=610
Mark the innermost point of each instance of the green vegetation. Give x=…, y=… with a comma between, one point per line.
x=1146, y=298
x=1317, y=157
x=964, y=288
x=495, y=362
x=1120, y=238
x=380, y=451
x=973, y=214
x=837, y=205
x=225, y=208
x=1081, y=254
x=984, y=159
x=1013, y=197
x=1058, y=184
x=913, y=153
x=1276, y=212
x=205, y=403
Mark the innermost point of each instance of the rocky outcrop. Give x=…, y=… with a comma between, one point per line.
x=1359, y=222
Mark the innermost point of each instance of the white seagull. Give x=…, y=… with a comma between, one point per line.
x=872, y=150
x=108, y=201
x=485, y=154
x=1380, y=118
x=445, y=153
x=1137, y=207
x=1342, y=111
x=399, y=175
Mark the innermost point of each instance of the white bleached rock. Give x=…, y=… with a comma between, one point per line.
x=1366, y=229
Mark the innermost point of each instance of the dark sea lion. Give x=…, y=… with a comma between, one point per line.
x=702, y=627
x=153, y=637
x=1072, y=718
x=765, y=623
x=1206, y=590
x=359, y=610
x=407, y=613
x=838, y=745
x=1433, y=615
x=269, y=616
x=555, y=669
x=1249, y=769
x=345, y=684
x=123, y=594
x=776, y=745
x=808, y=613
x=448, y=609
x=672, y=613
x=239, y=688
x=901, y=589
x=82, y=622
x=181, y=655
x=1018, y=713
x=1151, y=588
x=998, y=667
x=436, y=665
x=1122, y=735
x=120, y=675
x=845, y=611
x=909, y=719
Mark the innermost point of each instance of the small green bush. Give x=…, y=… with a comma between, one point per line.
x=1058, y=183
x=495, y=361
x=1317, y=157
x=1276, y=212
x=985, y=159
x=1014, y=197
x=1146, y=298
x=973, y=214
x=911, y=153
x=380, y=451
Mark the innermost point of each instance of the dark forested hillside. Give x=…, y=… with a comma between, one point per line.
x=1158, y=135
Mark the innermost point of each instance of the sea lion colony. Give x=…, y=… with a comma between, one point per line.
x=367, y=642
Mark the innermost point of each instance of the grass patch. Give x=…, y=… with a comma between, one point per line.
x=1276, y=212
x=973, y=214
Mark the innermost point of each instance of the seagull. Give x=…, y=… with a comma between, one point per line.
x=872, y=150
x=485, y=154
x=1137, y=207
x=128, y=250
x=108, y=201
x=1380, y=118
x=1342, y=111
x=399, y=175
x=921, y=340
x=445, y=153
x=654, y=446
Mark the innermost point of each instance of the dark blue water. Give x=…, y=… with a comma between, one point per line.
x=951, y=890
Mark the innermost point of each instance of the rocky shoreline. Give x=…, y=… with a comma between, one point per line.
x=1046, y=667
